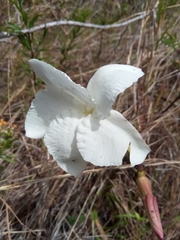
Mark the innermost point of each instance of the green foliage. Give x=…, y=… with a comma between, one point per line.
x=6, y=142
x=19, y=5
x=28, y=22
x=162, y=9
x=72, y=219
x=13, y=27
x=80, y=15
x=170, y=40
x=33, y=21
x=112, y=199
x=168, y=36
x=26, y=39
x=94, y=215
x=134, y=215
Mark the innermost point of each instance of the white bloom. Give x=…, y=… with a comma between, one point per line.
x=78, y=125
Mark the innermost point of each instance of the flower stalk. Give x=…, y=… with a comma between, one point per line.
x=149, y=201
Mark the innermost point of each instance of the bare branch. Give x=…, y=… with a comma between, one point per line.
x=5, y=35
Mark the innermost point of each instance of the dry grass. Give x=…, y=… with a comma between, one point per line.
x=37, y=199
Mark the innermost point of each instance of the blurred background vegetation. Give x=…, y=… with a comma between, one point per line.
x=37, y=199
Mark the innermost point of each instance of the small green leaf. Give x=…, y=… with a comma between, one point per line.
x=13, y=27
x=44, y=33
x=16, y=5
x=21, y=3
x=94, y=215
x=24, y=17
x=9, y=158
x=34, y=19
x=25, y=41
x=72, y=219
x=38, y=81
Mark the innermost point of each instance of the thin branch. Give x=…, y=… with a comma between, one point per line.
x=5, y=35
x=152, y=162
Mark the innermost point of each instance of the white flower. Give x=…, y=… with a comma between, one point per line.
x=78, y=125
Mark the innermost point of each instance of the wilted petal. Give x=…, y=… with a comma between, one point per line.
x=108, y=82
x=34, y=124
x=59, y=80
x=105, y=142
x=61, y=143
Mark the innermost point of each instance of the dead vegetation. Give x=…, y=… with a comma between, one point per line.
x=37, y=199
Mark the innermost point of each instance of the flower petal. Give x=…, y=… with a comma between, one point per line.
x=61, y=143
x=58, y=79
x=75, y=167
x=51, y=103
x=108, y=82
x=34, y=124
x=105, y=142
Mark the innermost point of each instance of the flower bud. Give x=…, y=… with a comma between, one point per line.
x=150, y=203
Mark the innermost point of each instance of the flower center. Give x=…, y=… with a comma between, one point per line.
x=88, y=112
